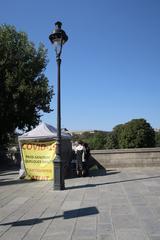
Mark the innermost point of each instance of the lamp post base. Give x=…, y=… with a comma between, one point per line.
x=58, y=174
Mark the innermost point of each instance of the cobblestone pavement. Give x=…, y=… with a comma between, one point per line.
x=123, y=204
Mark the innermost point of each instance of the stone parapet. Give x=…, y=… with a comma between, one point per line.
x=139, y=157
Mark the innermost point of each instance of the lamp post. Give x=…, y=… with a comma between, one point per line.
x=58, y=38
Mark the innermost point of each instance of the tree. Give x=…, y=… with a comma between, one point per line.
x=136, y=134
x=95, y=143
x=95, y=140
x=111, y=141
x=157, y=139
x=24, y=89
x=117, y=133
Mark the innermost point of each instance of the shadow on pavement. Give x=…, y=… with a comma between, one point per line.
x=5, y=182
x=8, y=173
x=81, y=212
x=94, y=168
x=102, y=172
x=113, y=182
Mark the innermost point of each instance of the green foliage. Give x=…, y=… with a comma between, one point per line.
x=95, y=140
x=136, y=134
x=111, y=141
x=24, y=89
x=117, y=132
x=157, y=139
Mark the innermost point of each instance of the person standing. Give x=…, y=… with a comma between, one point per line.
x=85, y=158
x=79, y=156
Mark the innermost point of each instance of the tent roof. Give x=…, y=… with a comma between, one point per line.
x=43, y=131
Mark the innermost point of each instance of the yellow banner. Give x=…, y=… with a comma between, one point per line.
x=38, y=159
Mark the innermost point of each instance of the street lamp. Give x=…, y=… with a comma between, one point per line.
x=58, y=38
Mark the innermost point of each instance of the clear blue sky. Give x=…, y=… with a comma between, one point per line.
x=110, y=64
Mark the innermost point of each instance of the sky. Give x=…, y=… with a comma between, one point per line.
x=110, y=71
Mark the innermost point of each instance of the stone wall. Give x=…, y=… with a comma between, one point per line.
x=140, y=157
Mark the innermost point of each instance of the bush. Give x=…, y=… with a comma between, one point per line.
x=157, y=139
x=136, y=133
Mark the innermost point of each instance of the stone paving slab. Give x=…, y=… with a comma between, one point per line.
x=123, y=204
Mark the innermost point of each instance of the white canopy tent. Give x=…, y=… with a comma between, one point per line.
x=43, y=131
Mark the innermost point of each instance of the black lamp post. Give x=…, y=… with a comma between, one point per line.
x=58, y=38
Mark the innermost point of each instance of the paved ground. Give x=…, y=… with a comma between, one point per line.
x=124, y=204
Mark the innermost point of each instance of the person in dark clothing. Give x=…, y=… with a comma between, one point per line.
x=85, y=159
x=79, y=156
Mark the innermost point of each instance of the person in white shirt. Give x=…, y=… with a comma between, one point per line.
x=79, y=150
